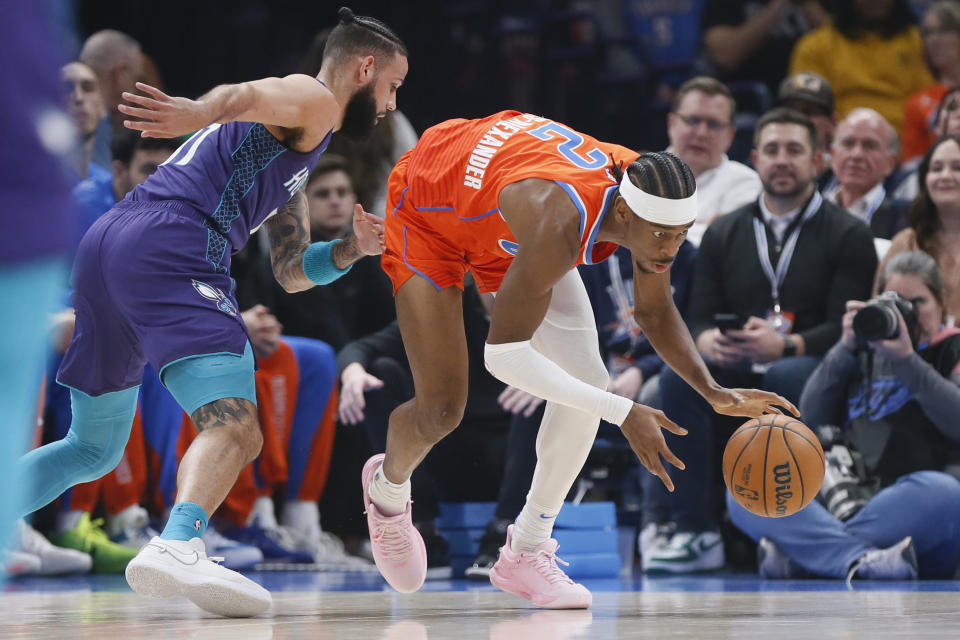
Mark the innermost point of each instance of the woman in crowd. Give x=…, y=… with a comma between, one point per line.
x=934, y=219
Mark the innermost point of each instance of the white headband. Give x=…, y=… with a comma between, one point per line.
x=655, y=209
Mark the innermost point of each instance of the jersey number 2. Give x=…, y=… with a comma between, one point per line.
x=592, y=159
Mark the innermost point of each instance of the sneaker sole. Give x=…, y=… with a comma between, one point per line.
x=557, y=603
x=157, y=581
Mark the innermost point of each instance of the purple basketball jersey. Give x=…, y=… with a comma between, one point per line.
x=236, y=174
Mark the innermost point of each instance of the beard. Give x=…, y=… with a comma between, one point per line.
x=785, y=191
x=360, y=116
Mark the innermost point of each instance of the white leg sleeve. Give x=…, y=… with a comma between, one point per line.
x=568, y=337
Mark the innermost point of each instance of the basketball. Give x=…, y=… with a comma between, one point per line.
x=773, y=465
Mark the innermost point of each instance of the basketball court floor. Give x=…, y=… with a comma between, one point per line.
x=332, y=605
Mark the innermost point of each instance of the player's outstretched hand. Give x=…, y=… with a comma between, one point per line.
x=162, y=116
x=750, y=403
x=369, y=231
x=642, y=430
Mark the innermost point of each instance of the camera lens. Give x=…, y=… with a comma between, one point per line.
x=876, y=322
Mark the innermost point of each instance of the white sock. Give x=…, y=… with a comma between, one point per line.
x=67, y=520
x=132, y=517
x=262, y=514
x=532, y=528
x=391, y=499
x=302, y=516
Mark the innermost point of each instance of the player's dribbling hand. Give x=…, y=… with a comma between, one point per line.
x=369, y=231
x=162, y=116
x=642, y=431
x=750, y=403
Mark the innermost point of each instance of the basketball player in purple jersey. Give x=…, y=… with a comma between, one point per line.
x=152, y=284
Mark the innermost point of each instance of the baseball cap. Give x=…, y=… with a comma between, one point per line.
x=808, y=86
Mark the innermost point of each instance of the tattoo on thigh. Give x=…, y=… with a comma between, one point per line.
x=223, y=412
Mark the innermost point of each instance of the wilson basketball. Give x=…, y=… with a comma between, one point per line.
x=773, y=465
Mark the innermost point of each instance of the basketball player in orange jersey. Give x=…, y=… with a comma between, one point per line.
x=520, y=200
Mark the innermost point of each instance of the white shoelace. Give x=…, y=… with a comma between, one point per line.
x=545, y=563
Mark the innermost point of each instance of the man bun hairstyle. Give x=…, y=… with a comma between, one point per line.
x=660, y=174
x=361, y=36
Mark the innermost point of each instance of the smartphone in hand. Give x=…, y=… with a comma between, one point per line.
x=727, y=322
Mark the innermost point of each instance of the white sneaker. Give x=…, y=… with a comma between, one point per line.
x=898, y=562
x=166, y=568
x=655, y=536
x=236, y=555
x=54, y=560
x=19, y=563
x=301, y=526
x=688, y=552
x=327, y=551
x=130, y=527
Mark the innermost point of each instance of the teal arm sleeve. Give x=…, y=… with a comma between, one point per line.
x=318, y=263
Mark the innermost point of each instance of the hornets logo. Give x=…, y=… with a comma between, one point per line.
x=223, y=303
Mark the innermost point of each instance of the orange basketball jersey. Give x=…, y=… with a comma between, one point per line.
x=442, y=216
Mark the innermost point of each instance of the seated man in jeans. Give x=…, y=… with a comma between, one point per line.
x=783, y=267
x=899, y=400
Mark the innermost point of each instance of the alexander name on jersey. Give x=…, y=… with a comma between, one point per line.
x=490, y=143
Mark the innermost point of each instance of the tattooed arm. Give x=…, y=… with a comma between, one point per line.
x=289, y=233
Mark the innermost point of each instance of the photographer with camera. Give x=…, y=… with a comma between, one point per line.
x=893, y=381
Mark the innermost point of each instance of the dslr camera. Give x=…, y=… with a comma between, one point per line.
x=845, y=488
x=880, y=319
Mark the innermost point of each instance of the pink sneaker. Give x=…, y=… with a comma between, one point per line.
x=534, y=575
x=397, y=546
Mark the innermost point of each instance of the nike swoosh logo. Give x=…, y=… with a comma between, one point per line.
x=690, y=554
x=191, y=558
x=707, y=547
x=546, y=517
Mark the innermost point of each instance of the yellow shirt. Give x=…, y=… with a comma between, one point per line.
x=875, y=72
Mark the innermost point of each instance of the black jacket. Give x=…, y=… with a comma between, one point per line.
x=834, y=261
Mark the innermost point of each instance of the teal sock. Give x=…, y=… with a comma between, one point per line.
x=187, y=521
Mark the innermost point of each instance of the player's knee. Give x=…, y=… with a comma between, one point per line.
x=940, y=491
x=437, y=418
x=94, y=460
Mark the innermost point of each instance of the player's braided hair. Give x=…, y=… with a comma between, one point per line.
x=361, y=35
x=660, y=174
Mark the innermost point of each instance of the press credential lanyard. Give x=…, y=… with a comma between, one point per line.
x=760, y=231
